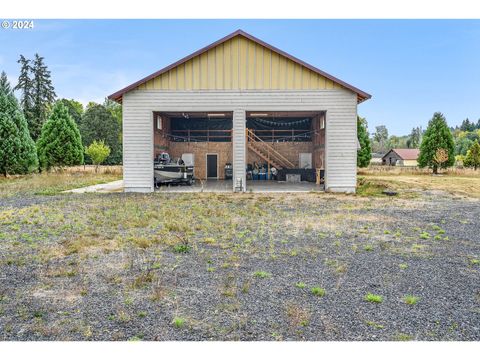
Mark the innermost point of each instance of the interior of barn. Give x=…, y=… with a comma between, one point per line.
x=281, y=146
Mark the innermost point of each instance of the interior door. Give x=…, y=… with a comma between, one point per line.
x=305, y=160
x=212, y=166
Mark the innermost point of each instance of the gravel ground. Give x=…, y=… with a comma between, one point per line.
x=243, y=269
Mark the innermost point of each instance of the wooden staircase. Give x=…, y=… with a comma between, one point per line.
x=267, y=152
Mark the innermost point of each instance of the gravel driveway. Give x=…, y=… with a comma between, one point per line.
x=239, y=267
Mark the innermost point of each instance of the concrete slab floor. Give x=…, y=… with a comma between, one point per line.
x=258, y=186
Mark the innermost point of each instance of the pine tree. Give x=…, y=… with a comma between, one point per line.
x=25, y=85
x=60, y=143
x=43, y=95
x=18, y=154
x=109, y=132
x=473, y=156
x=364, y=154
x=5, y=84
x=437, y=136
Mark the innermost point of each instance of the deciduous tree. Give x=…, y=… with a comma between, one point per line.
x=75, y=109
x=472, y=159
x=98, y=152
x=109, y=131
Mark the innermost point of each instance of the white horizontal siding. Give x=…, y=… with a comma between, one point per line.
x=239, y=147
x=340, y=105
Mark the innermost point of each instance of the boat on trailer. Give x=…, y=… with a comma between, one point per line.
x=168, y=171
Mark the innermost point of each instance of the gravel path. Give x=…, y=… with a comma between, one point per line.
x=255, y=284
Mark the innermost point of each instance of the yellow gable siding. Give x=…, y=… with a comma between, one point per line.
x=239, y=63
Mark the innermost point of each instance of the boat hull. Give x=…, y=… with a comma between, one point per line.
x=173, y=173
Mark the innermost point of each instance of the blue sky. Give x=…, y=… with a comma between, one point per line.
x=411, y=67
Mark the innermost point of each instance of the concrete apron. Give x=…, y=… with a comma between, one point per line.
x=225, y=186
x=114, y=186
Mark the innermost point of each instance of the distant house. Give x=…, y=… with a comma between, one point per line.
x=376, y=159
x=401, y=157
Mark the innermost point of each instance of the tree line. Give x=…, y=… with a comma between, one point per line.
x=40, y=131
x=440, y=146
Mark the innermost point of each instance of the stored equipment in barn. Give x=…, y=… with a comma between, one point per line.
x=166, y=170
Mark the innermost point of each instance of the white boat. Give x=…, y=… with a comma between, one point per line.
x=166, y=170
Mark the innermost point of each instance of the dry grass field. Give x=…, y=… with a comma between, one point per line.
x=310, y=266
x=465, y=182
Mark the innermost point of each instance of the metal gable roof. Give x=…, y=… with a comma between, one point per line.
x=405, y=154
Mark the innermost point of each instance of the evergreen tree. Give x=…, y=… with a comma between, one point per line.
x=437, y=136
x=364, y=154
x=17, y=150
x=5, y=84
x=60, y=143
x=473, y=156
x=467, y=125
x=43, y=95
x=109, y=131
x=415, y=138
x=25, y=85
x=75, y=109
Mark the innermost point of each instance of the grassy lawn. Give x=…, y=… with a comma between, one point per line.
x=51, y=184
x=200, y=266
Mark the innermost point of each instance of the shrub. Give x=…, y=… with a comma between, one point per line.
x=60, y=143
x=98, y=152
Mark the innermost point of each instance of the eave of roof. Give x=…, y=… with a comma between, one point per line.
x=117, y=96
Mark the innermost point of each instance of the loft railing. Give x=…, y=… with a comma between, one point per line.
x=273, y=135
x=279, y=135
x=201, y=135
